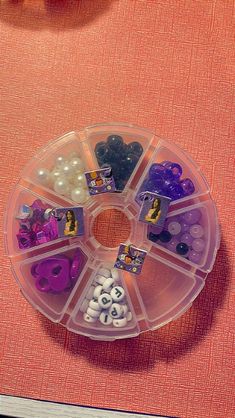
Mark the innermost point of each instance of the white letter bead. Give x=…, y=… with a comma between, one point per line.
x=115, y=274
x=115, y=311
x=89, y=318
x=90, y=292
x=117, y=293
x=91, y=312
x=84, y=305
x=105, y=318
x=97, y=291
x=100, y=279
x=104, y=272
x=105, y=300
x=129, y=316
x=124, y=309
x=94, y=305
x=108, y=283
x=119, y=322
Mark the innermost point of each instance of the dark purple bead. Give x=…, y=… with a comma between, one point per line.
x=153, y=237
x=182, y=248
x=156, y=169
x=135, y=148
x=100, y=149
x=165, y=236
x=187, y=186
x=130, y=162
x=176, y=169
x=115, y=142
x=175, y=191
x=168, y=175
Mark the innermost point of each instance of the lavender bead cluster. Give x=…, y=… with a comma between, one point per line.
x=165, y=179
x=36, y=227
x=182, y=234
x=121, y=156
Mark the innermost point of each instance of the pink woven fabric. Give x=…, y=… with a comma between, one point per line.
x=164, y=65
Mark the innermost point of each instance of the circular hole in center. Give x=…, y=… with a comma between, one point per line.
x=111, y=227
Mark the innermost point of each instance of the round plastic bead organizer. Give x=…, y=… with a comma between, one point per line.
x=72, y=280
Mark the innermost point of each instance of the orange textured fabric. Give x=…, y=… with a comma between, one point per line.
x=164, y=65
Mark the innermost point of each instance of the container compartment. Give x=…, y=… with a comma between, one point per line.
x=50, y=281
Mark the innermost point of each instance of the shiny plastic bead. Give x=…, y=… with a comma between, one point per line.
x=175, y=168
x=135, y=148
x=78, y=195
x=67, y=170
x=60, y=160
x=89, y=318
x=108, y=284
x=165, y=236
x=105, y=300
x=97, y=292
x=184, y=226
x=115, y=142
x=153, y=237
x=187, y=186
x=94, y=305
x=175, y=191
x=105, y=318
x=61, y=186
x=130, y=162
x=198, y=245
x=191, y=217
x=174, y=228
x=171, y=246
x=186, y=238
x=119, y=323
x=79, y=180
x=117, y=293
x=196, y=231
x=115, y=310
x=76, y=164
x=43, y=176
x=155, y=170
x=101, y=149
x=100, y=279
x=194, y=256
x=54, y=175
x=182, y=248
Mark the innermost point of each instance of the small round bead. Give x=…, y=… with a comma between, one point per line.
x=108, y=284
x=119, y=322
x=186, y=238
x=129, y=316
x=191, y=217
x=115, y=142
x=168, y=175
x=171, y=246
x=176, y=169
x=54, y=175
x=156, y=169
x=104, y=272
x=175, y=191
x=157, y=182
x=182, y=248
x=117, y=293
x=130, y=162
x=101, y=149
x=198, y=245
x=196, y=231
x=135, y=148
x=174, y=228
x=94, y=305
x=115, y=310
x=79, y=180
x=187, y=186
x=153, y=237
x=78, y=195
x=66, y=170
x=99, y=279
x=165, y=236
x=105, y=300
x=90, y=292
x=184, y=226
x=97, y=291
x=93, y=313
x=61, y=186
x=194, y=256
x=115, y=274
x=105, y=318
x=89, y=318
x=43, y=176
x=60, y=160
x=84, y=305
x=76, y=164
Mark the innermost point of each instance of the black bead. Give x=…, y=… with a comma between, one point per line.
x=153, y=237
x=135, y=148
x=100, y=149
x=165, y=236
x=182, y=248
x=115, y=142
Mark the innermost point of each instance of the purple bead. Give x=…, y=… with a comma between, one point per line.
x=194, y=257
x=171, y=246
x=75, y=267
x=156, y=169
x=42, y=284
x=168, y=175
x=165, y=236
x=191, y=217
x=176, y=169
x=187, y=186
x=184, y=226
x=175, y=191
x=196, y=231
x=56, y=274
x=198, y=245
x=174, y=228
x=186, y=238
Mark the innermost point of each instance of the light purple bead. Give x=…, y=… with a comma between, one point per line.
x=198, y=245
x=191, y=217
x=171, y=246
x=196, y=231
x=184, y=226
x=194, y=256
x=187, y=186
x=176, y=169
x=169, y=220
x=186, y=239
x=174, y=228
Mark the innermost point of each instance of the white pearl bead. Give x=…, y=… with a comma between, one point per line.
x=119, y=322
x=93, y=313
x=84, y=305
x=115, y=274
x=78, y=195
x=60, y=160
x=55, y=174
x=117, y=293
x=105, y=318
x=89, y=318
x=94, y=305
x=129, y=316
x=76, y=164
x=100, y=279
x=107, y=286
x=90, y=292
x=61, y=186
x=67, y=170
x=43, y=176
x=79, y=180
x=115, y=310
x=97, y=292
x=105, y=300
x=104, y=272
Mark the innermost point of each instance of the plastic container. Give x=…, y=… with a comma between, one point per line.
x=168, y=283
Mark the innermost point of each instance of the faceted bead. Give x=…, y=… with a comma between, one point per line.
x=165, y=236
x=135, y=148
x=198, y=245
x=191, y=217
x=176, y=169
x=168, y=175
x=156, y=169
x=186, y=238
x=175, y=191
x=196, y=231
x=184, y=226
x=130, y=162
x=172, y=244
x=153, y=237
x=187, y=186
x=194, y=257
x=115, y=142
x=174, y=228
x=182, y=248
x=100, y=149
